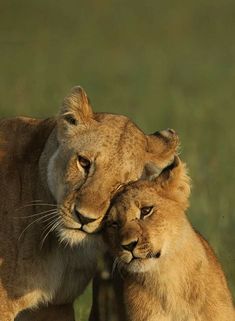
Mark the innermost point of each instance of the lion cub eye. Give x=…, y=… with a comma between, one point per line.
x=146, y=210
x=84, y=163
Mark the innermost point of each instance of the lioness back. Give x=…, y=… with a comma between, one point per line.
x=24, y=137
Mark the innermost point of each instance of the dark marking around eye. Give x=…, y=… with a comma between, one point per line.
x=84, y=162
x=146, y=210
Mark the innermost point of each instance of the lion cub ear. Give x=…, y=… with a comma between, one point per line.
x=174, y=182
x=76, y=108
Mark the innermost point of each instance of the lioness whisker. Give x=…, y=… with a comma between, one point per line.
x=35, y=204
x=44, y=204
x=65, y=243
x=51, y=228
x=38, y=214
x=53, y=220
x=35, y=201
x=47, y=228
x=39, y=201
x=114, y=266
x=37, y=220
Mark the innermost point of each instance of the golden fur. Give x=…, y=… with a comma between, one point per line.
x=57, y=178
x=170, y=272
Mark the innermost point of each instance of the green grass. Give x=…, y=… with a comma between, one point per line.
x=82, y=305
x=164, y=64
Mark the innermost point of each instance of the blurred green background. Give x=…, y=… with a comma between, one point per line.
x=163, y=63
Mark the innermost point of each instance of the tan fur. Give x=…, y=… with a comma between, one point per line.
x=175, y=276
x=46, y=253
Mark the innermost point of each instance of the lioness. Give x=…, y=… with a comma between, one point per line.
x=57, y=179
x=170, y=272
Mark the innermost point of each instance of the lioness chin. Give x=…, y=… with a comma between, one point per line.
x=169, y=271
x=57, y=179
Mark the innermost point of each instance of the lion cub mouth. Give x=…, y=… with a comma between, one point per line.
x=155, y=255
x=130, y=257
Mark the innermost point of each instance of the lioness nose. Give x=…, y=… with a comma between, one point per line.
x=130, y=247
x=82, y=218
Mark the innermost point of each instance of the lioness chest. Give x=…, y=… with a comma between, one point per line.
x=65, y=273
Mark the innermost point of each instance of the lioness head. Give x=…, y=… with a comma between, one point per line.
x=97, y=153
x=146, y=219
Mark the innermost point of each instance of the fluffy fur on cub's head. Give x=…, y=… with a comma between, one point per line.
x=146, y=222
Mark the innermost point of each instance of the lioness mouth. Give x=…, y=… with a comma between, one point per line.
x=74, y=228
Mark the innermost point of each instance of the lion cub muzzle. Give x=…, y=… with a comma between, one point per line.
x=135, y=247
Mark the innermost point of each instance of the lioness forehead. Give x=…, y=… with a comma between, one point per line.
x=118, y=125
x=139, y=190
x=112, y=133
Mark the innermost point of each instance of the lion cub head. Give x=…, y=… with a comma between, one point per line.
x=96, y=154
x=145, y=220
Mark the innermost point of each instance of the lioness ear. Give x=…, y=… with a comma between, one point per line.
x=76, y=107
x=175, y=182
x=169, y=173
x=151, y=172
x=162, y=147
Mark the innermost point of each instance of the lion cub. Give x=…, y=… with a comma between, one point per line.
x=170, y=272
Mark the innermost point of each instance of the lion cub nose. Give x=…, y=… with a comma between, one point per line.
x=82, y=218
x=130, y=246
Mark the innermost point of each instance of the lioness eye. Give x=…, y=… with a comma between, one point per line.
x=84, y=162
x=144, y=211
